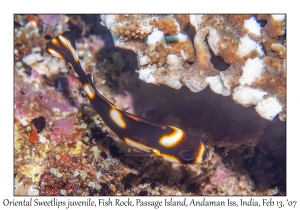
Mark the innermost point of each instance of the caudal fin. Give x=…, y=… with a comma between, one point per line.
x=64, y=48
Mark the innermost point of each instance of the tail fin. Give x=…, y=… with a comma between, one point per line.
x=64, y=48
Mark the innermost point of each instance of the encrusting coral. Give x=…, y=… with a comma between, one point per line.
x=168, y=54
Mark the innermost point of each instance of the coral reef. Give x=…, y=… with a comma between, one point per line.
x=62, y=147
x=169, y=53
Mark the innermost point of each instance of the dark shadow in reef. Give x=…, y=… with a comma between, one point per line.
x=221, y=123
x=204, y=111
x=217, y=61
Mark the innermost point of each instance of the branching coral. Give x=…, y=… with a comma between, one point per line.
x=166, y=54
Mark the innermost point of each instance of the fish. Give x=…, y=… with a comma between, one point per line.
x=148, y=138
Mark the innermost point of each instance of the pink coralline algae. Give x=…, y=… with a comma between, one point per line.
x=31, y=103
x=35, y=100
x=64, y=130
x=220, y=174
x=52, y=19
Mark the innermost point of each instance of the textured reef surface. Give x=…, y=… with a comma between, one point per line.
x=62, y=147
x=241, y=56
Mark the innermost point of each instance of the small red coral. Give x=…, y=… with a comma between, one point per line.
x=33, y=137
x=33, y=18
x=64, y=158
x=220, y=174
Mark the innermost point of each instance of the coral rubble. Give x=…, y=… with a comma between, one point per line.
x=169, y=53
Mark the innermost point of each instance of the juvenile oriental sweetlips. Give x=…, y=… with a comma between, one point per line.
x=168, y=142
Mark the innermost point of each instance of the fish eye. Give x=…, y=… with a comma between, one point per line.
x=187, y=155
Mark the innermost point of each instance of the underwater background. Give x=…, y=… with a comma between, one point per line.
x=62, y=147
